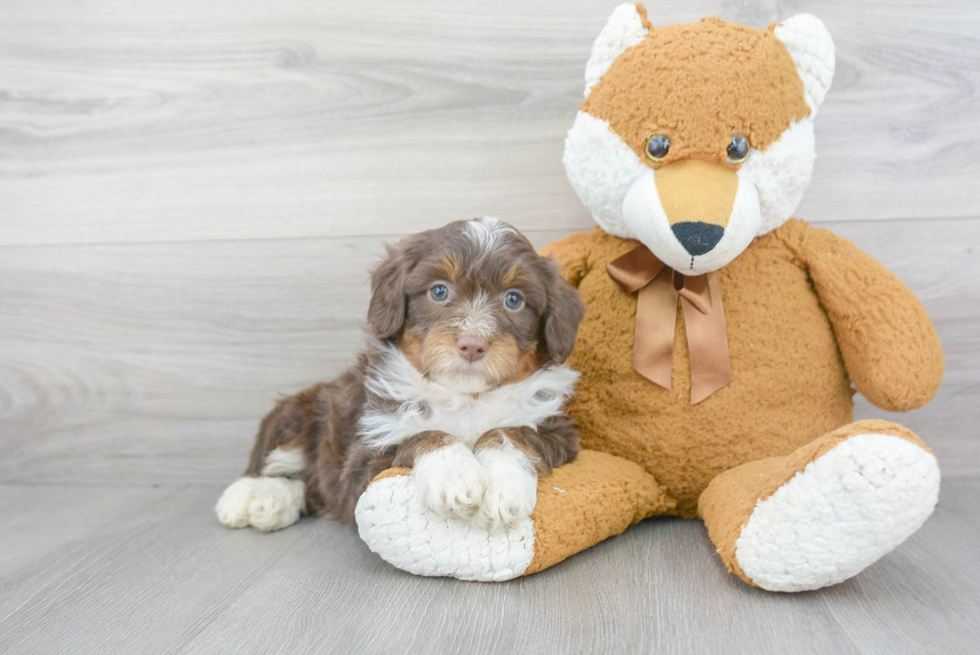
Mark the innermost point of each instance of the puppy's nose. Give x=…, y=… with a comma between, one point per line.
x=472, y=347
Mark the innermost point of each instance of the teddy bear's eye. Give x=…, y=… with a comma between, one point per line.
x=738, y=149
x=657, y=147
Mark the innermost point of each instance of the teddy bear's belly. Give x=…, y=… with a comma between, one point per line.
x=788, y=386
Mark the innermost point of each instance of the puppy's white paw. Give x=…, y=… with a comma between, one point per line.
x=264, y=503
x=232, y=507
x=513, y=489
x=450, y=481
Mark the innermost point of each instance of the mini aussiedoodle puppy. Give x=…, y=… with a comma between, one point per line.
x=462, y=380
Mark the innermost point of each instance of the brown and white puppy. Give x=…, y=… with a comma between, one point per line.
x=463, y=380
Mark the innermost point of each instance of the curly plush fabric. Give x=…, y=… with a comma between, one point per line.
x=393, y=523
x=809, y=495
x=789, y=381
x=662, y=86
x=795, y=495
x=579, y=504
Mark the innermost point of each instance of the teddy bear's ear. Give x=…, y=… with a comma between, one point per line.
x=812, y=49
x=626, y=27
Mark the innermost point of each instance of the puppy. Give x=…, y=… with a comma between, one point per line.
x=462, y=381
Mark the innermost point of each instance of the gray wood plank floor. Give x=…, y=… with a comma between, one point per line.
x=190, y=196
x=142, y=569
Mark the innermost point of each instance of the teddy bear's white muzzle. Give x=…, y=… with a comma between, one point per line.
x=691, y=247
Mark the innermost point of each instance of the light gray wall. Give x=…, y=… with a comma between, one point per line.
x=191, y=194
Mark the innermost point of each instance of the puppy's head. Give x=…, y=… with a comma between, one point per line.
x=473, y=306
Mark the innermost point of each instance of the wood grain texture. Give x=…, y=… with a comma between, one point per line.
x=192, y=194
x=157, y=574
x=135, y=362
x=181, y=120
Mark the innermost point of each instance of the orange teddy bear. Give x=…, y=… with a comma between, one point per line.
x=722, y=337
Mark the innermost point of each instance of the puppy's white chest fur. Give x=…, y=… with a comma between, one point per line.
x=407, y=404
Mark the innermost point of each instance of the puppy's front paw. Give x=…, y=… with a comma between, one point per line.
x=512, y=491
x=450, y=481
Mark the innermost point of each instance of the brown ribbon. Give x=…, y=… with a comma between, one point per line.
x=656, y=313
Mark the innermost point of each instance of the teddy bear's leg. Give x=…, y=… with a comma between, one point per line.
x=593, y=498
x=825, y=512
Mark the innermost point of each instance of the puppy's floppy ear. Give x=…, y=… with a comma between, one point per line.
x=562, y=314
x=386, y=313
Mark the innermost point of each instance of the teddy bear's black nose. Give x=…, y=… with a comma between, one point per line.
x=697, y=237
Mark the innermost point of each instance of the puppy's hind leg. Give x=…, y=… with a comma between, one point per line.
x=265, y=503
x=267, y=498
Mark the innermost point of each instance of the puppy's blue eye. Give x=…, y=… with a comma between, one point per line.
x=439, y=293
x=513, y=300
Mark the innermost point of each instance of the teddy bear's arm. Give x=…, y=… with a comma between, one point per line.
x=573, y=252
x=889, y=345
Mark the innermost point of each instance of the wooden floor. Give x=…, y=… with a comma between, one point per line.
x=143, y=569
x=191, y=193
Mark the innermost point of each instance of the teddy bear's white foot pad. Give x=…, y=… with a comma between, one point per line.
x=265, y=503
x=393, y=523
x=840, y=514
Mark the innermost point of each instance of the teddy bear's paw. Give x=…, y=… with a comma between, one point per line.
x=450, y=481
x=512, y=491
x=840, y=514
x=394, y=523
x=265, y=503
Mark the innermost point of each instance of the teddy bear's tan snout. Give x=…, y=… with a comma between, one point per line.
x=698, y=198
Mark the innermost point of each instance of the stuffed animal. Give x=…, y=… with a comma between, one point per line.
x=723, y=339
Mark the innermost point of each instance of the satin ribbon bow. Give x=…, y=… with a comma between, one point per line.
x=656, y=312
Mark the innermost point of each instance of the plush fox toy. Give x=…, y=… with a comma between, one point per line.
x=722, y=337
